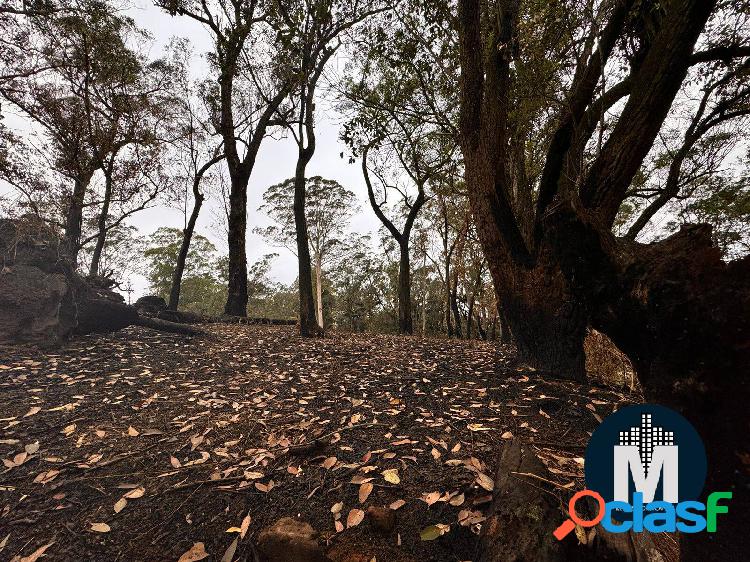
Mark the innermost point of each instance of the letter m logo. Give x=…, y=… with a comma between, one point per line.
x=659, y=463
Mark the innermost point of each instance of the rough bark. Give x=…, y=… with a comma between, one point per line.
x=101, y=235
x=307, y=322
x=236, y=304
x=74, y=217
x=405, y=324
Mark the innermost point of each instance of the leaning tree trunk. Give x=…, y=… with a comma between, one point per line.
x=404, y=288
x=102, y=224
x=179, y=268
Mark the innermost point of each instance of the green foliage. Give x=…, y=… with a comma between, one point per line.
x=202, y=288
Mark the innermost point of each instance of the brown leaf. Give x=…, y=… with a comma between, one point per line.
x=245, y=525
x=120, y=505
x=364, y=492
x=100, y=527
x=354, y=518
x=36, y=555
x=485, y=481
x=135, y=494
x=398, y=503
x=197, y=552
x=329, y=463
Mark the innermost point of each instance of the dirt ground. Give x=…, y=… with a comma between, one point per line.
x=137, y=445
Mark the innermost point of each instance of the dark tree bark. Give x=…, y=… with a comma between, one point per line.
x=101, y=235
x=74, y=217
x=405, y=324
x=674, y=307
x=187, y=233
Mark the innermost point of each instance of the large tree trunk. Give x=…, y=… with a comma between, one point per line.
x=102, y=222
x=74, y=218
x=237, y=287
x=404, y=288
x=179, y=268
x=682, y=315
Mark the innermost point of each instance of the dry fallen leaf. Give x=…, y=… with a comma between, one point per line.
x=245, y=525
x=34, y=556
x=175, y=462
x=133, y=432
x=135, y=494
x=33, y=410
x=354, y=518
x=337, y=507
x=485, y=481
x=391, y=475
x=120, y=505
x=100, y=527
x=398, y=503
x=364, y=492
x=329, y=462
x=197, y=552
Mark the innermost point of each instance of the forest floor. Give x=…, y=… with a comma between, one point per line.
x=138, y=445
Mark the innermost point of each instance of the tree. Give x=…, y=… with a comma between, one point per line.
x=328, y=208
x=202, y=289
x=251, y=85
x=98, y=97
x=400, y=125
x=556, y=264
x=311, y=32
x=197, y=150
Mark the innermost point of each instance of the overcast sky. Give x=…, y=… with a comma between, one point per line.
x=276, y=160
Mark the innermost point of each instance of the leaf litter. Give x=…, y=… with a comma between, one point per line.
x=162, y=447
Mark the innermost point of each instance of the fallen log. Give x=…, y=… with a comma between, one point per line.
x=44, y=301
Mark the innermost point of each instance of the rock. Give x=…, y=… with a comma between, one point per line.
x=382, y=519
x=151, y=304
x=44, y=301
x=37, y=294
x=290, y=540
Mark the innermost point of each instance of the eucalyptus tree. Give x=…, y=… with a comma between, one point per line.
x=311, y=32
x=197, y=147
x=557, y=266
x=99, y=96
x=401, y=120
x=252, y=81
x=328, y=209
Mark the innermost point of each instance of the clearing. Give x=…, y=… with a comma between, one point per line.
x=202, y=432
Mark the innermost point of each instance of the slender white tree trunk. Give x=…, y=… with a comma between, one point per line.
x=319, y=290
